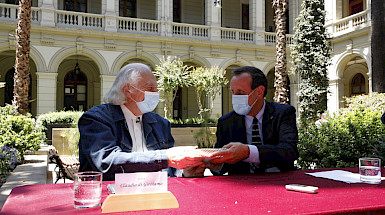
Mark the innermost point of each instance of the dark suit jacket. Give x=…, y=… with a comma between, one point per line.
x=280, y=138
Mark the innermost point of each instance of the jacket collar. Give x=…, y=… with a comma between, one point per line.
x=117, y=114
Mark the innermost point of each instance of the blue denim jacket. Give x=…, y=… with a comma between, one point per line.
x=105, y=143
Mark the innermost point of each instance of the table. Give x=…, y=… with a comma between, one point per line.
x=240, y=194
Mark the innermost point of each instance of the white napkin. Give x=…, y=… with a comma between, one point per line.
x=339, y=175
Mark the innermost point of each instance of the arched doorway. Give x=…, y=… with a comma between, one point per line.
x=9, y=85
x=356, y=80
x=7, y=62
x=358, y=85
x=75, y=90
x=78, y=84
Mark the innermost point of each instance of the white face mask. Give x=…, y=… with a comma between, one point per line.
x=151, y=100
x=241, y=103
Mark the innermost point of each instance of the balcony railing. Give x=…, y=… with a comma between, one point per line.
x=9, y=12
x=79, y=20
x=145, y=26
x=190, y=31
x=230, y=34
x=270, y=38
x=350, y=23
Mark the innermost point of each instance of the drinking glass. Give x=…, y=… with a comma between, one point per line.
x=370, y=170
x=87, y=189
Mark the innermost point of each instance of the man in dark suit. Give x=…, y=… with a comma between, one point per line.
x=260, y=136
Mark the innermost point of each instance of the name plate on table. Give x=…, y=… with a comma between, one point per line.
x=141, y=182
x=140, y=191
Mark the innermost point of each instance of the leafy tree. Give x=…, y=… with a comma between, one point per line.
x=21, y=78
x=311, y=57
x=171, y=75
x=281, y=94
x=208, y=84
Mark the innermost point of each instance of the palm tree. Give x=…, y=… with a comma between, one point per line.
x=378, y=46
x=281, y=78
x=21, y=78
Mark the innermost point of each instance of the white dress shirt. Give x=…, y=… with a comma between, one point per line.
x=254, y=153
x=135, y=127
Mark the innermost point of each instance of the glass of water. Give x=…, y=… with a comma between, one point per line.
x=370, y=170
x=87, y=189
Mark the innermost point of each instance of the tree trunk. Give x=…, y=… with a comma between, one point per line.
x=281, y=94
x=21, y=78
x=378, y=45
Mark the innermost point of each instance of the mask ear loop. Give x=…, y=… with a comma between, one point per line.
x=256, y=99
x=136, y=89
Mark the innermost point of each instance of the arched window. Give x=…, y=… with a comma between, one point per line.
x=358, y=85
x=75, y=90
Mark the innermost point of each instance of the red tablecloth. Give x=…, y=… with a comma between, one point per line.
x=242, y=194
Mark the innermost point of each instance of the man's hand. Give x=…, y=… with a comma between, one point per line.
x=194, y=172
x=183, y=157
x=235, y=152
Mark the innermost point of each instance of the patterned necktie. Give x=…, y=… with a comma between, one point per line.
x=255, y=137
x=255, y=140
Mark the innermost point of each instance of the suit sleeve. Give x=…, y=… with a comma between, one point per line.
x=100, y=148
x=284, y=151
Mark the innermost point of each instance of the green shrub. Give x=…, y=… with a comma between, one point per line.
x=194, y=120
x=339, y=141
x=71, y=117
x=19, y=131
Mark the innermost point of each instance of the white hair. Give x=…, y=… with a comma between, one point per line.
x=128, y=74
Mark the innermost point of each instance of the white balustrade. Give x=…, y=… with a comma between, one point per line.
x=9, y=12
x=145, y=26
x=237, y=34
x=70, y=19
x=351, y=23
x=270, y=38
x=190, y=30
x=79, y=20
x=35, y=14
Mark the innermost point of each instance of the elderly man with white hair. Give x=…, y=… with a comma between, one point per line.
x=124, y=135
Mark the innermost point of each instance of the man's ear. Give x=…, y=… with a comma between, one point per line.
x=126, y=90
x=261, y=90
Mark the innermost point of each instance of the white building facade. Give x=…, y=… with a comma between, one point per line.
x=101, y=36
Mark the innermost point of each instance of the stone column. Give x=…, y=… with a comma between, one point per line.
x=112, y=11
x=106, y=82
x=257, y=20
x=46, y=92
x=47, y=13
x=257, y=15
x=164, y=15
x=336, y=95
x=213, y=19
